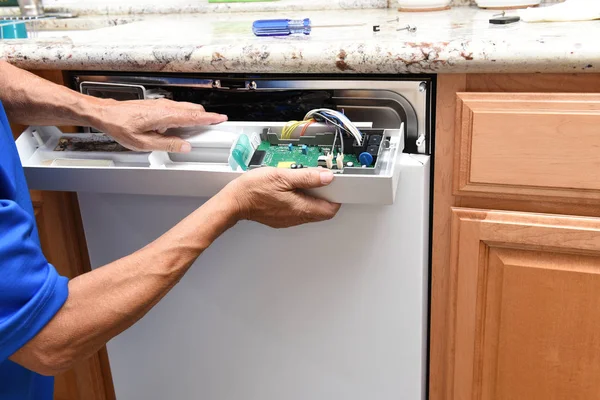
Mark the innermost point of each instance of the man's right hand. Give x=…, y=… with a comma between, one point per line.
x=274, y=196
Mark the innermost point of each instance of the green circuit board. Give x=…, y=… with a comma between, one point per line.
x=281, y=156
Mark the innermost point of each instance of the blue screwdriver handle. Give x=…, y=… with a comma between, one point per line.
x=281, y=27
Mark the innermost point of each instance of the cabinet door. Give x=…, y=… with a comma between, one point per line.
x=526, y=295
x=524, y=145
x=63, y=243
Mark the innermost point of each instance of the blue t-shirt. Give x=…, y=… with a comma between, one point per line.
x=31, y=291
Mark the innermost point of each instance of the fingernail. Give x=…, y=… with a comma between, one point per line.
x=221, y=119
x=186, y=147
x=326, y=177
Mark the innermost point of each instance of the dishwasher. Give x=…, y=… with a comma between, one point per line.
x=331, y=310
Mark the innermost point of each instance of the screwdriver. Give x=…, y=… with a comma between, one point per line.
x=285, y=27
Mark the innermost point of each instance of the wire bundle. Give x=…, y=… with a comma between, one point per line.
x=289, y=128
x=336, y=118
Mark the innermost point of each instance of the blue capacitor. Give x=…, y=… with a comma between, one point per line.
x=365, y=159
x=304, y=149
x=290, y=147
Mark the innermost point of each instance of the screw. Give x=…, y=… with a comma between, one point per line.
x=409, y=28
x=397, y=19
x=502, y=14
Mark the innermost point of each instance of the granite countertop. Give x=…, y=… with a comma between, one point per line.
x=459, y=40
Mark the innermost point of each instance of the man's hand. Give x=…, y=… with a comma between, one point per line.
x=273, y=196
x=136, y=124
x=140, y=124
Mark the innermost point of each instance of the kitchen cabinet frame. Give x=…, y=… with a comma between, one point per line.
x=443, y=329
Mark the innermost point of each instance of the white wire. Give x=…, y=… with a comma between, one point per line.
x=357, y=137
x=334, y=140
x=348, y=125
x=347, y=122
x=319, y=112
x=332, y=121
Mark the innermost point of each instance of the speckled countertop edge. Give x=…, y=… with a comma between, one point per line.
x=456, y=41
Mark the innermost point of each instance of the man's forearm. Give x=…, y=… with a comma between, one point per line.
x=29, y=99
x=108, y=300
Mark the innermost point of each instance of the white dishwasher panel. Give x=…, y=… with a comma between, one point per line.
x=327, y=311
x=201, y=173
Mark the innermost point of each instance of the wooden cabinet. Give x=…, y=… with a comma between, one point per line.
x=515, y=302
x=528, y=144
x=63, y=243
x=527, y=306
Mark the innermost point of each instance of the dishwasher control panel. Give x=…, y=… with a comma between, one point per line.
x=89, y=162
x=362, y=130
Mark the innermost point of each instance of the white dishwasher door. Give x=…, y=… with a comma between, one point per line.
x=327, y=311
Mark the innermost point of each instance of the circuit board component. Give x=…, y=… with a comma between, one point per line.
x=309, y=156
x=316, y=151
x=339, y=146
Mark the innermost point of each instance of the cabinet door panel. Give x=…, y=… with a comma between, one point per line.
x=518, y=145
x=527, y=292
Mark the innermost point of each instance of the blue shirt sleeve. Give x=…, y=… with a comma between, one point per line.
x=31, y=291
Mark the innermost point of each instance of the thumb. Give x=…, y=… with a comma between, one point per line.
x=309, y=178
x=171, y=144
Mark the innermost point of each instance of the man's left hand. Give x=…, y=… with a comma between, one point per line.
x=140, y=125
